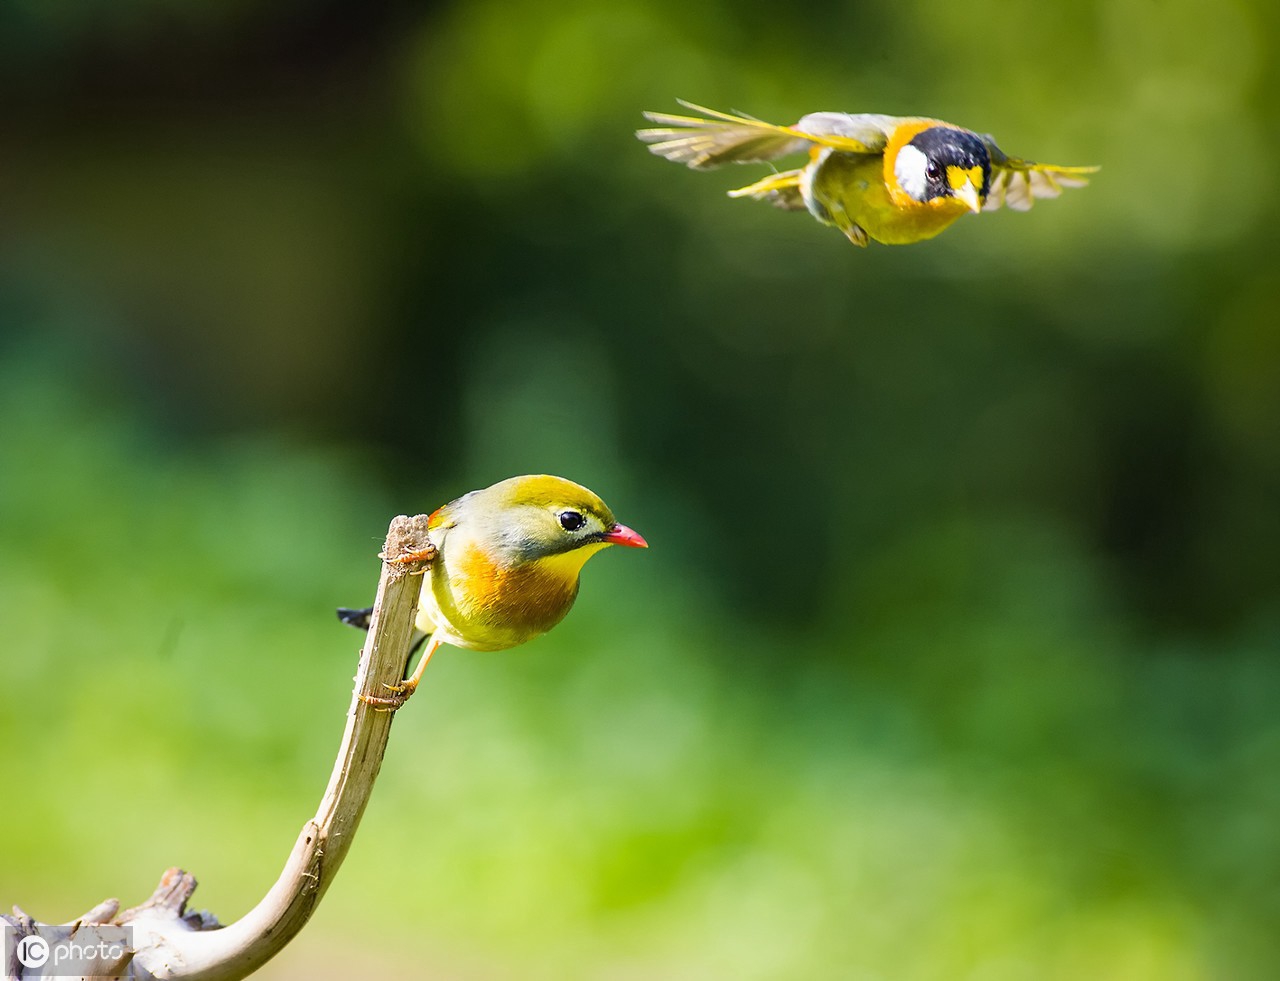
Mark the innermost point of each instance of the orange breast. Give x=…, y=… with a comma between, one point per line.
x=491, y=607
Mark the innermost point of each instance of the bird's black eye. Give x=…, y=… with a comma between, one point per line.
x=933, y=171
x=571, y=520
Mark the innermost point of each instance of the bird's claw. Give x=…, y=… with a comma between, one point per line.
x=410, y=556
x=399, y=694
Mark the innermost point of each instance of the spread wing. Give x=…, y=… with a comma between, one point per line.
x=719, y=137
x=863, y=132
x=1017, y=183
x=781, y=190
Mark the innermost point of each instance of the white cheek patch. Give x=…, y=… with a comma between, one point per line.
x=909, y=169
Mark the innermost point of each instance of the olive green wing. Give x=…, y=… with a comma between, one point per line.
x=1017, y=183
x=718, y=138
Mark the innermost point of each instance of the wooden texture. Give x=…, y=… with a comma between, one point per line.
x=164, y=940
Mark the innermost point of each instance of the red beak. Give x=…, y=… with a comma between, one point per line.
x=622, y=535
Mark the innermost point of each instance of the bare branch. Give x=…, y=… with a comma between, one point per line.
x=167, y=941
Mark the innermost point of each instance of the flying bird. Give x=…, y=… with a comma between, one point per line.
x=891, y=179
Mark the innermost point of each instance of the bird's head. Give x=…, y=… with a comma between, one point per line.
x=945, y=167
x=540, y=519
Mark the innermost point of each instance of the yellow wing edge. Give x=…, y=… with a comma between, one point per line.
x=721, y=137
x=1017, y=183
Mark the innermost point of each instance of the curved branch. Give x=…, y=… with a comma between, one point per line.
x=167, y=942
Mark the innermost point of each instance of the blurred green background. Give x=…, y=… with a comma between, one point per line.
x=957, y=650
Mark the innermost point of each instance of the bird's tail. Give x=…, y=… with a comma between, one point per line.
x=719, y=138
x=360, y=620
x=356, y=618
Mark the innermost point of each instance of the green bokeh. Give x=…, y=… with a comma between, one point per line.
x=957, y=651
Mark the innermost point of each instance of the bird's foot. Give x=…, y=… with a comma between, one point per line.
x=425, y=554
x=856, y=234
x=399, y=694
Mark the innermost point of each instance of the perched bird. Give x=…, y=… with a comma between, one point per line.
x=506, y=567
x=894, y=179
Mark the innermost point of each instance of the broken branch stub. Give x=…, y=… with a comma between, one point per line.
x=165, y=941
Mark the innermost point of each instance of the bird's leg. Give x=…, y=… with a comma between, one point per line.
x=400, y=693
x=852, y=230
x=857, y=236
